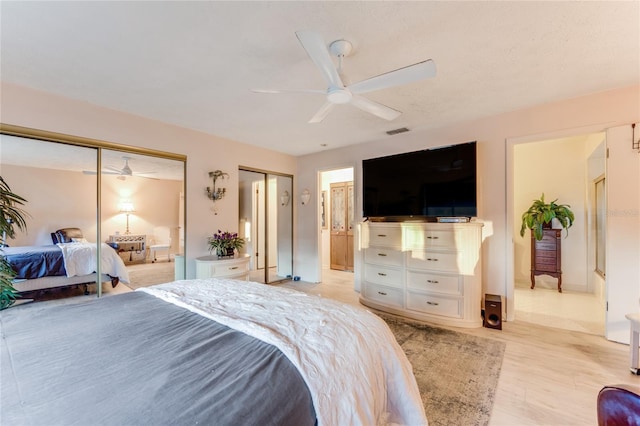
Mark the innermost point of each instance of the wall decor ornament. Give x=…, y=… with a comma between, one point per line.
x=214, y=193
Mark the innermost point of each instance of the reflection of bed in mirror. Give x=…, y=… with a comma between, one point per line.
x=70, y=261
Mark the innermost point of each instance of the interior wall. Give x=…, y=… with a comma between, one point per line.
x=53, y=196
x=599, y=110
x=70, y=201
x=45, y=111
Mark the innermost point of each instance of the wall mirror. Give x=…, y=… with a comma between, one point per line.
x=266, y=223
x=135, y=205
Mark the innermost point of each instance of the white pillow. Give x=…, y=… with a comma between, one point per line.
x=79, y=240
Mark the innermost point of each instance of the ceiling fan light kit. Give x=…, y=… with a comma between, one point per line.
x=339, y=93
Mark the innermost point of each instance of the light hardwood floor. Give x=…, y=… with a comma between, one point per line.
x=549, y=376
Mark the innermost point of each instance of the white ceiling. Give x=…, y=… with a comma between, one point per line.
x=193, y=63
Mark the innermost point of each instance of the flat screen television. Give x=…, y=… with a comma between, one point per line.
x=427, y=184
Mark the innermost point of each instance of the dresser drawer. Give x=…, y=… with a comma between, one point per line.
x=434, y=261
x=435, y=283
x=383, y=256
x=426, y=238
x=383, y=275
x=232, y=268
x=382, y=294
x=431, y=304
x=385, y=236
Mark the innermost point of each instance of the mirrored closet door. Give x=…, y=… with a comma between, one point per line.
x=134, y=206
x=266, y=223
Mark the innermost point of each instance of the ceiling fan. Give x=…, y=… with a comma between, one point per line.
x=122, y=172
x=340, y=93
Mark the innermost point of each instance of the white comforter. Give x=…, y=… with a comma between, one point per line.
x=354, y=368
x=80, y=259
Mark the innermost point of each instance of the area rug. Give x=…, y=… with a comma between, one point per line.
x=146, y=274
x=457, y=373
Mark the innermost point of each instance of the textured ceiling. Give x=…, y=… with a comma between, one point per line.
x=193, y=63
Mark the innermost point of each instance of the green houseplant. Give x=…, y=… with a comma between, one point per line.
x=12, y=216
x=540, y=215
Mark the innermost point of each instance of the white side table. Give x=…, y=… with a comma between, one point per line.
x=236, y=267
x=634, y=341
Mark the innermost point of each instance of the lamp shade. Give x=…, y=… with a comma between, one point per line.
x=127, y=207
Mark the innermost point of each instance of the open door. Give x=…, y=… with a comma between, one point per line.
x=623, y=232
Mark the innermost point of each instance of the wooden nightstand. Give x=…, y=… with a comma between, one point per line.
x=546, y=256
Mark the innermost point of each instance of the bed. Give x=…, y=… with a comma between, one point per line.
x=208, y=351
x=69, y=261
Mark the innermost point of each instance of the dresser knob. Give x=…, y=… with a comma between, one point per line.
x=382, y=293
x=382, y=274
x=432, y=260
x=433, y=281
x=432, y=303
x=382, y=254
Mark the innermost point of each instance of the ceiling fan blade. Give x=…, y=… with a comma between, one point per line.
x=408, y=74
x=322, y=92
x=375, y=108
x=322, y=113
x=317, y=51
x=104, y=172
x=144, y=173
x=146, y=177
x=113, y=169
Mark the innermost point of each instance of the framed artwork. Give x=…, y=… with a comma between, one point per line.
x=323, y=209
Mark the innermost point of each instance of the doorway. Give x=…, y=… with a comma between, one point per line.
x=566, y=169
x=266, y=223
x=337, y=207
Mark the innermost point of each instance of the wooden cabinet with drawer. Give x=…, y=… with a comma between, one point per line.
x=546, y=256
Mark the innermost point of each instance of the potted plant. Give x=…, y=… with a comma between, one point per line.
x=540, y=215
x=12, y=216
x=225, y=243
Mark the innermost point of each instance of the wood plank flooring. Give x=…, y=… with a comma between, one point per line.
x=549, y=376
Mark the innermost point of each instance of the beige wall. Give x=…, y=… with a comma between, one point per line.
x=61, y=199
x=494, y=135
x=29, y=108
x=34, y=109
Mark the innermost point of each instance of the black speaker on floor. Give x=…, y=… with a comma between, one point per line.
x=493, y=311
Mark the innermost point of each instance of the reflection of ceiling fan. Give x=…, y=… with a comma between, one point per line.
x=123, y=172
x=340, y=93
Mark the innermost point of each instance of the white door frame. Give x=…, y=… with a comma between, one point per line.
x=509, y=249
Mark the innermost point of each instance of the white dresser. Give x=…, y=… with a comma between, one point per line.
x=427, y=271
x=214, y=267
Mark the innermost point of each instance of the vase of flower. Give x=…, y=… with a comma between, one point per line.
x=225, y=243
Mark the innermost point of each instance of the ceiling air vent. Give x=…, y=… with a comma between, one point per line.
x=396, y=131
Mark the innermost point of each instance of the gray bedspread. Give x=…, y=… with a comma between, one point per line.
x=133, y=359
